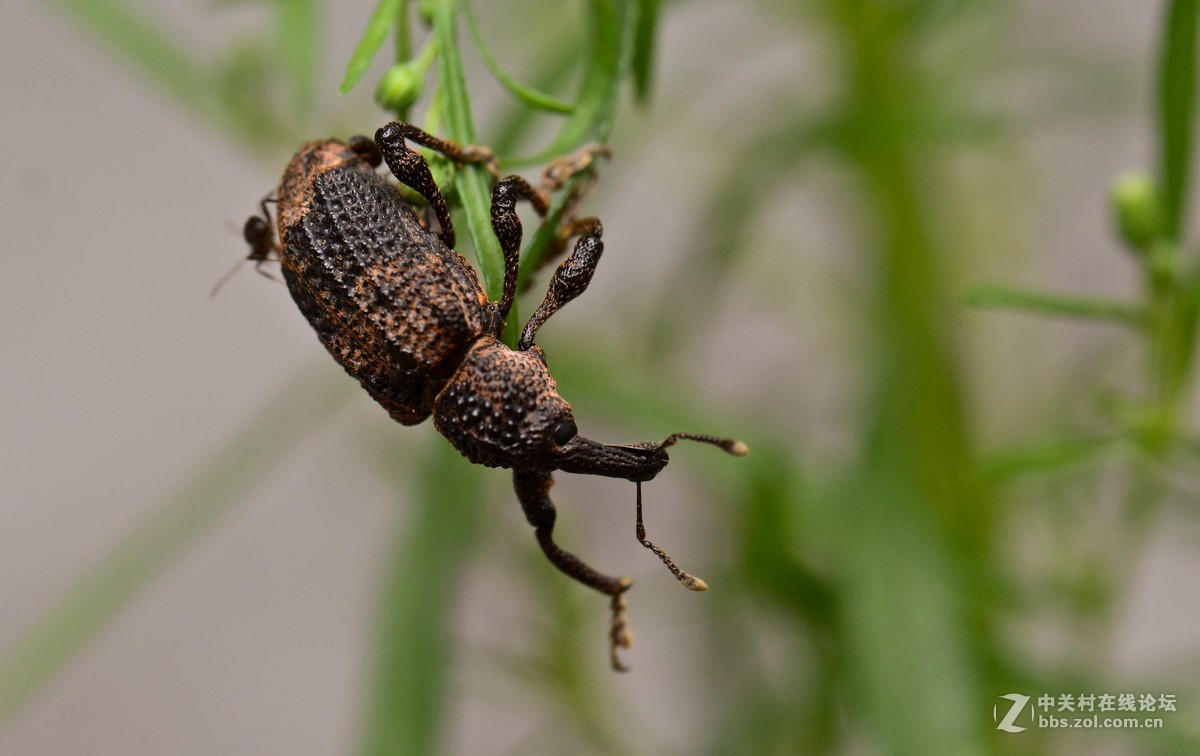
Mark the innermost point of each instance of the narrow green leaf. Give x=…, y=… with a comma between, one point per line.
x=609, y=59
x=526, y=94
x=1047, y=457
x=1054, y=305
x=415, y=633
x=1176, y=111
x=206, y=495
x=643, y=47
x=627, y=16
x=593, y=115
x=385, y=14
x=551, y=69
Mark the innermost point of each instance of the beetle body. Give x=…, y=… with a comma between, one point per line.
x=405, y=314
x=394, y=306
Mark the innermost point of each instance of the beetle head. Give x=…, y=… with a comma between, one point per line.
x=501, y=408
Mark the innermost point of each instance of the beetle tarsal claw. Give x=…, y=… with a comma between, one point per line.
x=620, y=636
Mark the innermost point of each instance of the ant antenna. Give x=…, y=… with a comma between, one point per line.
x=225, y=278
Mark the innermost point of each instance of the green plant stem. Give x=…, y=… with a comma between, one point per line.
x=914, y=507
x=474, y=182
x=381, y=21
x=403, y=33
x=1174, y=296
x=1177, y=96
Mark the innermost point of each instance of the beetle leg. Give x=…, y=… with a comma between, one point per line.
x=555, y=175
x=411, y=169
x=533, y=490
x=398, y=131
x=569, y=281
x=507, y=225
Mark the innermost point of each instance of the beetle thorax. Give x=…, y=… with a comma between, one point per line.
x=501, y=406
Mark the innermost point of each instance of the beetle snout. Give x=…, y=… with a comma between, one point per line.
x=633, y=462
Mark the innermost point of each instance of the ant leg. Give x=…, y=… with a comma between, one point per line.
x=411, y=169
x=569, y=281
x=507, y=226
x=533, y=490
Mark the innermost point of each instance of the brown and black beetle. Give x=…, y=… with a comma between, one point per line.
x=404, y=313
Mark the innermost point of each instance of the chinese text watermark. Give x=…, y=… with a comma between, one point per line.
x=1016, y=712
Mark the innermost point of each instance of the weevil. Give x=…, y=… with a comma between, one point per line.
x=404, y=313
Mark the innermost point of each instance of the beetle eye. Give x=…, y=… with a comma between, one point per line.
x=564, y=431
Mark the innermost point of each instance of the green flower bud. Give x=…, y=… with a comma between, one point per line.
x=400, y=87
x=426, y=9
x=1138, y=210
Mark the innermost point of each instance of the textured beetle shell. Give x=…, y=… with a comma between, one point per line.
x=392, y=304
x=501, y=406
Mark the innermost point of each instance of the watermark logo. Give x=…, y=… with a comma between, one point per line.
x=1082, y=711
x=1006, y=724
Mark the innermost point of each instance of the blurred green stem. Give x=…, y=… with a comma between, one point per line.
x=296, y=409
x=1055, y=305
x=915, y=508
x=1174, y=294
x=474, y=182
x=1177, y=97
x=403, y=33
x=415, y=633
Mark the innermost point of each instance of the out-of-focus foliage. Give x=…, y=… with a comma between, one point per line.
x=886, y=577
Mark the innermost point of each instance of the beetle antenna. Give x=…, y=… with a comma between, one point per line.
x=691, y=582
x=736, y=448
